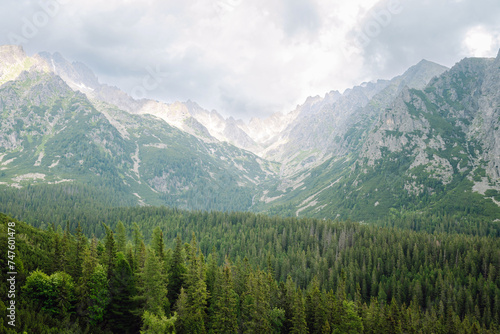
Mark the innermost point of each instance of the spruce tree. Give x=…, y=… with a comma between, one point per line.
x=255, y=306
x=224, y=315
x=157, y=243
x=196, y=290
x=154, y=288
x=109, y=250
x=121, y=237
x=177, y=272
x=122, y=290
x=98, y=296
x=299, y=324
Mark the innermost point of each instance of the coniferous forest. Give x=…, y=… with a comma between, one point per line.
x=160, y=270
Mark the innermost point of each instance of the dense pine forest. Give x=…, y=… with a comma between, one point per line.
x=161, y=270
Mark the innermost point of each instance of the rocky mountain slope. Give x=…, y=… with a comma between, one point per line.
x=52, y=134
x=427, y=140
x=434, y=149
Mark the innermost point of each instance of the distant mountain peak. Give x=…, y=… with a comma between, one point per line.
x=12, y=50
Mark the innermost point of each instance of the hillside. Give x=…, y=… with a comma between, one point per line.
x=52, y=135
x=425, y=141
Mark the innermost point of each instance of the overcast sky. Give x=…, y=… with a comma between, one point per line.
x=250, y=58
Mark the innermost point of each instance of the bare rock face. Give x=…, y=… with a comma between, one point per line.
x=14, y=61
x=450, y=128
x=10, y=55
x=335, y=125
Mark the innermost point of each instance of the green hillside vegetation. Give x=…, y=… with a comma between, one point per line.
x=52, y=135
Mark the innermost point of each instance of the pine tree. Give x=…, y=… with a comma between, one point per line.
x=138, y=239
x=154, y=289
x=98, y=297
x=109, y=250
x=157, y=243
x=90, y=260
x=299, y=324
x=255, y=305
x=315, y=311
x=196, y=291
x=225, y=316
x=122, y=290
x=177, y=272
x=181, y=308
x=121, y=237
x=78, y=253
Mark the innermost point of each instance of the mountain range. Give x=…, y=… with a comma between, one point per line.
x=426, y=141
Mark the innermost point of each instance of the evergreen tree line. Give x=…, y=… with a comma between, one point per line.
x=87, y=204
x=350, y=278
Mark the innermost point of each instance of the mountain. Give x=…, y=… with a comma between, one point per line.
x=423, y=142
x=433, y=149
x=53, y=134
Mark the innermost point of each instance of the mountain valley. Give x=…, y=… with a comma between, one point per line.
x=426, y=141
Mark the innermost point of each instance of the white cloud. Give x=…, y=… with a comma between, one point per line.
x=479, y=42
x=247, y=58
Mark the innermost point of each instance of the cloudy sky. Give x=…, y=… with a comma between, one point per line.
x=250, y=58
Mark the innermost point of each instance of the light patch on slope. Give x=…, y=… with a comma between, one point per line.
x=440, y=169
x=304, y=204
x=38, y=161
x=141, y=201
x=313, y=203
x=14, y=70
x=494, y=200
x=319, y=208
x=174, y=114
x=214, y=124
x=157, y=145
x=6, y=162
x=481, y=186
x=54, y=164
x=82, y=86
x=118, y=126
x=249, y=179
x=267, y=200
x=240, y=167
x=294, y=184
x=267, y=153
x=60, y=181
x=307, y=200
x=137, y=161
x=29, y=176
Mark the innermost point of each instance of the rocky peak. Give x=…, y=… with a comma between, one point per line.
x=11, y=54
x=13, y=61
x=418, y=76
x=75, y=73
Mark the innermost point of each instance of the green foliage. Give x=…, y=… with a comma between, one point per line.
x=122, y=289
x=153, y=324
x=177, y=271
x=225, y=306
x=340, y=277
x=98, y=295
x=350, y=321
x=54, y=294
x=196, y=290
x=154, y=290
